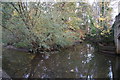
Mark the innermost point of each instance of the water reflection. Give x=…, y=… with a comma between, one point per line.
x=110, y=70
x=78, y=62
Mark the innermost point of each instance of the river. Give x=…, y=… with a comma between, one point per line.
x=81, y=61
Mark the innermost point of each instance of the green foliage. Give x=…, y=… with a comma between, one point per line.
x=100, y=28
x=39, y=25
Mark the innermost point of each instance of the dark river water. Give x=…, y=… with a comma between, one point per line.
x=78, y=62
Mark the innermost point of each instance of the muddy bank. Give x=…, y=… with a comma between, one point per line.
x=54, y=48
x=15, y=48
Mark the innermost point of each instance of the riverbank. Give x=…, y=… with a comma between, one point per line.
x=55, y=49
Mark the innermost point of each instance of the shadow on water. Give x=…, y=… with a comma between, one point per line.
x=78, y=62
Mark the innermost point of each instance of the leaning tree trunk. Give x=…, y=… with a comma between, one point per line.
x=117, y=33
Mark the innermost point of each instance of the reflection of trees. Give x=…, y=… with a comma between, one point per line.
x=35, y=62
x=71, y=64
x=106, y=65
x=116, y=69
x=14, y=62
x=77, y=62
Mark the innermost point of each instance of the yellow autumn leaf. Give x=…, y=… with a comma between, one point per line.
x=71, y=27
x=67, y=31
x=102, y=19
x=102, y=33
x=75, y=18
x=108, y=31
x=97, y=26
x=15, y=13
